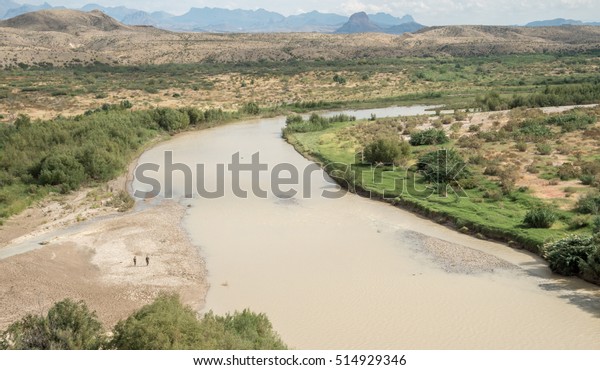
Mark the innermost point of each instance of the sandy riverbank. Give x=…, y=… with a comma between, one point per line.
x=94, y=263
x=93, y=260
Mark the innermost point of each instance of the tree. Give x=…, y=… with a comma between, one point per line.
x=68, y=325
x=387, y=151
x=168, y=324
x=73, y=326
x=240, y=331
x=62, y=169
x=443, y=168
x=171, y=120
x=164, y=324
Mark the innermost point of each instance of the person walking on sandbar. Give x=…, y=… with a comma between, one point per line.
x=134, y=261
x=147, y=260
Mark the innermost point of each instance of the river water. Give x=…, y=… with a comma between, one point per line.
x=353, y=273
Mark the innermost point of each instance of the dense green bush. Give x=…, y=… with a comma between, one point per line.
x=68, y=325
x=62, y=169
x=443, y=168
x=68, y=152
x=532, y=130
x=568, y=255
x=171, y=120
x=295, y=123
x=572, y=121
x=387, y=151
x=431, y=136
x=250, y=108
x=196, y=116
x=167, y=324
x=540, y=218
x=491, y=102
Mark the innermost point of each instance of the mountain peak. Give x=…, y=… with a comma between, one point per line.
x=359, y=23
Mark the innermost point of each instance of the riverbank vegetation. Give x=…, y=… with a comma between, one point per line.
x=165, y=324
x=61, y=155
x=523, y=176
x=488, y=82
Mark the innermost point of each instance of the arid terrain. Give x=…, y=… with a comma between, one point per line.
x=61, y=37
x=82, y=95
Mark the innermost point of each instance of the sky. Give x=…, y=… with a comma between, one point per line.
x=428, y=12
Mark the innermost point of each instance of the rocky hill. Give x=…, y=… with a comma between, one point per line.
x=359, y=23
x=362, y=23
x=67, y=21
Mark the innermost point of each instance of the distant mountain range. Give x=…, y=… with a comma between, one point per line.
x=256, y=21
x=224, y=20
x=561, y=22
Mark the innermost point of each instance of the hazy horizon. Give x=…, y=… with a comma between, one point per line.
x=428, y=12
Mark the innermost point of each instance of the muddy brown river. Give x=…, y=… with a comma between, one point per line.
x=353, y=273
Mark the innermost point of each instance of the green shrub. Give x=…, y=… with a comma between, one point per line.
x=470, y=141
x=579, y=221
x=589, y=204
x=68, y=325
x=62, y=169
x=491, y=102
x=250, y=108
x=596, y=225
x=387, y=151
x=166, y=324
x=296, y=123
x=171, y=120
x=341, y=118
x=443, y=168
x=339, y=79
x=567, y=255
x=540, y=218
x=431, y=136
x=533, y=130
x=567, y=171
x=195, y=115
x=126, y=104
x=99, y=163
x=587, y=179
x=572, y=121
x=544, y=148
x=122, y=201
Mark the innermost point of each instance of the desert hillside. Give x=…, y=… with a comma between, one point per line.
x=61, y=37
x=64, y=20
